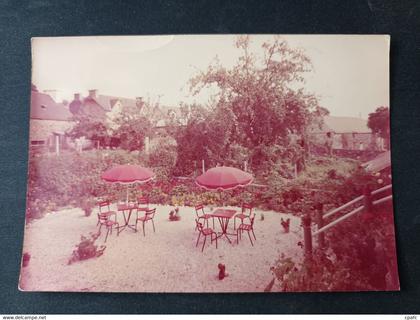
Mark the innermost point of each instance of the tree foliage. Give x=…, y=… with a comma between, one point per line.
x=261, y=91
x=130, y=124
x=257, y=103
x=88, y=127
x=378, y=122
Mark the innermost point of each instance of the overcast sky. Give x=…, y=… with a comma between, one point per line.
x=350, y=73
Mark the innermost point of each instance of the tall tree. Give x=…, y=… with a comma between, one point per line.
x=261, y=95
x=378, y=122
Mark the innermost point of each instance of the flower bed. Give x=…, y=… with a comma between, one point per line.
x=73, y=179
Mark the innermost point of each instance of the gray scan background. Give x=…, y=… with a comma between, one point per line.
x=21, y=20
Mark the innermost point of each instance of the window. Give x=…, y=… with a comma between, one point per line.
x=37, y=142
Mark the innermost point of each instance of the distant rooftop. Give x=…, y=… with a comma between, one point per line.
x=344, y=125
x=44, y=107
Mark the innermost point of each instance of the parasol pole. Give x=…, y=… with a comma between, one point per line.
x=126, y=199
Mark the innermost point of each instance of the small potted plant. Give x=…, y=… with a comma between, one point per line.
x=25, y=259
x=87, y=249
x=87, y=206
x=285, y=224
x=174, y=215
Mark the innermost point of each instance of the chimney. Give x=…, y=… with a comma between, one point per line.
x=77, y=96
x=92, y=93
x=52, y=93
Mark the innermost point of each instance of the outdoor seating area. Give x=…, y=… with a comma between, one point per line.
x=248, y=180
x=218, y=179
x=123, y=217
x=169, y=259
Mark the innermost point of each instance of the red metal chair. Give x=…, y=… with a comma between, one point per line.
x=199, y=212
x=245, y=213
x=143, y=203
x=148, y=216
x=105, y=210
x=109, y=224
x=205, y=232
x=248, y=228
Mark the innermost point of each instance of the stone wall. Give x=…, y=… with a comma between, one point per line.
x=42, y=130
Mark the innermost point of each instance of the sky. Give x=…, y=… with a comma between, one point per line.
x=350, y=74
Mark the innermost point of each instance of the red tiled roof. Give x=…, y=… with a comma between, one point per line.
x=44, y=107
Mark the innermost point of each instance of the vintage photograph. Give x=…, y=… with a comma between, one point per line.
x=210, y=163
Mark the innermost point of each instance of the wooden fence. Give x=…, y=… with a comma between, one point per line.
x=363, y=203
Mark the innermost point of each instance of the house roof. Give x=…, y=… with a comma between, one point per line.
x=107, y=102
x=96, y=107
x=44, y=107
x=379, y=163
x=343, y=125
x=99, y=105
x=92, y=108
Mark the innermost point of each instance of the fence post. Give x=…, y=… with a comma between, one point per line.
x=307, y=235
x=320, y=222
x=367, y=200
x=57, y=145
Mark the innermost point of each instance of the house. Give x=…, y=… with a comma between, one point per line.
x=349, y=133
x=98, y=106
x=49, y=121
x=104, y=108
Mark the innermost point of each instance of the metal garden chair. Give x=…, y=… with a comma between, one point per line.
x=199, y=211
x=205, y=232
x=148, y=216
x=245, y=213
x=249, y=228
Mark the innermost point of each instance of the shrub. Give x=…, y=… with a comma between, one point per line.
x=164, y=154
x=174, y=215
x=318, y=274
x=87, y=249
x=72, y=178
x=360, y=254
x=25, y=259
x=87, y=205
x=157, y=196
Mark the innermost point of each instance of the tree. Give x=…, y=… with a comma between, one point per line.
x=260, y=96
x=378, y=122
x=192, y=141
x=129, y=125
x=89, y=128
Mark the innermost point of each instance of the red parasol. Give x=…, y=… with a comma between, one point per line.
x=224, y=178
x=128, y=174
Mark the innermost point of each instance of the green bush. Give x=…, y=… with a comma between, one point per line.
x=360, y=254
x=86, y=249
x=164, y=155
x=70, y=178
